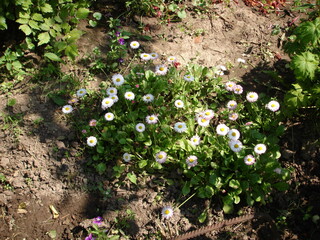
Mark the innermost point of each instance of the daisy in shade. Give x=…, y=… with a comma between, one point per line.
x=111, y=91
x=179, y=104
x=92, y=141
x=145, y=56
x=235, y=145
x=232, y=105
x=222, y=129
x=180, y=127
x=117, y=79
x=161, y=69
x=172, y=59
x=252, y=97
x=109, y=116
x=233, y=134
x=230, y=86
x=273, y=106
x=73, y=100
x=161, y=157
x=208, y=114
x=81, y=92
x=140, y=127
x=167, y=212
x=195, y=140
x=249, y=160
x=148, y=98
x=154, y=56
x=260, y=148
x=238, y=89
x=152, y=119
x=93, y=123
x=67, y=109
x=203, y=122
x=126, y=157
x=134, y=44
x=192, y=161
x=129, y=95
x=188, y=78
x=114, y=98
x=106, y=103
x=233, y=116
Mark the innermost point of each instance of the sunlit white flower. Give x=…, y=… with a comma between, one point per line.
x=223, y=68
x=232, y=105
x=235, y=145
x=219, y=72
x=154, y=56
x=106, y=103
x=148, y=98
x=195, y=140
x=161, y=69
x=240, y=60
x=145, y=56
x=208, y=114
x=109, y=116
x=81, y=92
x=249, y=160
x=278, y=170
x=273, y=106
x=179, y=104
x=180, y=127
x=233, y=134
x=238, y=89
x=92, y=141
x=260, y=148
x=152, y=119
x=172, y=59
x=111, y=91
x=192, y=161
x=222, y=129
x=134, y=44
x=117, y=79
x=140, y=127
x=203, y=122
x=167, y=212
x=252, y=97
x=188, y=78
x=129, y=95
x=114, y=98
x=67, y=109
x=233, y=116
x=126, y=157
x=230, y=86
x=161, y=157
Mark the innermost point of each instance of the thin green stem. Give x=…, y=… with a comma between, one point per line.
x=187, y=200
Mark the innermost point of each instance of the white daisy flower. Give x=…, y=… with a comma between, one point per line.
x=117, y=79
x=148, y=98
x=129, y=95
x=167, y=212
x=192, y=161
x=238, y=89
x=240, y=60
x=111, y=91
x=232, y=105
x=180, y=127
x=152, y=119
x=195, y=140
x=188, y=78
x=249, y=160
x=273, y=106
x=223, y=68
x=230, y=86
x=126, y=157
x=92, y=141
x=106, y=103
x=172, y=59
x=233, y=116
x=67, y=109
x=278, y=170
x=222, y=129
x=140, y=127
x=134, y=44
x=161, y=157
x=219, y=72
x=203, y=122
x=252, y=97
x=179, y=104
x=208, y=114
x=145, y=56
x=154, y=56
x=81, y=92
x=235, y=145
x=234, y=134
x=114, y=98
x=109, y=116
x=260, y=148
x=161, y=69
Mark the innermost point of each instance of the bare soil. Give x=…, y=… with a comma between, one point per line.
x=44, y=162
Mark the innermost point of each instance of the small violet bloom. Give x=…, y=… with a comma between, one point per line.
x=97, y=220
x=121, y=41
x=90, y=237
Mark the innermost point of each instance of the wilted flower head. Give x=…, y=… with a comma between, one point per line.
x=145, y=56
x=106, y=103
x=152, y=119
x=67, y=109
x=81, y=92
x=180, y=127
x=222, y=129
x=249, y=160
x=117, y=79
x=92, y=141
x=238, y=89
x=233, y=116
x=235, y=145
x=260, y=148
x=134, y=44
x=252, y=97
x=188, y=78
x=140, y=127
x=148, y=98
x=129, y=95
x=179, y=103
x=111, y=91
x=192, y=161
x=109, y=116
x=230, y=86
x=167, y=212
x=126, y=157
x=195, y=140
x=93, y=123
x=161, y=157
x=273, y=106
x=161, y=69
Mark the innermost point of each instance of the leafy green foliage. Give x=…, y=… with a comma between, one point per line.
x=305, y=65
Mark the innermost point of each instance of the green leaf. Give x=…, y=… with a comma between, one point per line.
x=101, y=168
x=57, y=99
x=182, y=14
x=122, y=141
x=93, y=23
x=37, y=17
x=310, y=32
x=202, y=217
x=82, y=13
x=71, y=51
x=305, y=65
x=3, y=24
x=281, y=186
x=235, y=184
x=44, y=38
x=100, y=149
x=132, y=177
x=228, y=208
x=34, y=24
x=22, y=20
x=142, y=163
x=46, y=8
x=26, y=29
x=186, y=188
x=97, y=15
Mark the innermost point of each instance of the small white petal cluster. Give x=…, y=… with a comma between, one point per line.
x=111, y=91
x=81, y=92
x=167, y=212
x=109, y=116
x=260, y=148
x=229, y=86
x=126, y=157
x=249, y=160
x=134, y=44
x=172, y=59
x=252, y=97
x=179, y=103
x=106, y=103
x=188, y=78
x=195, y=140
x=192, y=161
x=234, y=134
x=161, y=69
x=273, y=106
x=152, y=119
x=154, y=56
x=180, y=127
x=145, y=56
x=232, y=105
x=140, y=127
x=222, y=129
x=238, y=89
x=161, y=157
x=117, y=79
x=129, y=95
x=92, y=141
x=148, y=98
x=235, y=145
x=67, y=109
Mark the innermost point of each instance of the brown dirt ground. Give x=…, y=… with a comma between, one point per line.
x=43, y=160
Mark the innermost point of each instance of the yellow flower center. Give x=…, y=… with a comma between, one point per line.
x=67, y=108
x=236, y=145
x=148, y=97
x=140, y=127
x=151, y=118
x=260, y=148
x=222, y=129
x=180, y=126
x=195, y=140
x=145, y=55
x=191, y=160
x=161, y=69
x=129, y=95
x=91, y=141
x=207, y=113
x=203, y=120
x=160, y=156
x=233, y=134
x=249, y=159
x=273, y=105
x=107, y=102
x=111, y=91
x=166, y=212
x=118, y=80
x=251, y=96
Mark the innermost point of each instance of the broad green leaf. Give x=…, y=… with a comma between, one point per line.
x=101, y=168
x=26, y=29
x=3, y=24
x=82, y=13
x=305, y=65
x=97, y=15
x=186, y=188
x=46, y=8
x=132, y=177
x=143, y=163
x=93, y=23
x=182, y=14
x=202, y=217
x=22, y=20
x=310, y=32
x=281, y=186
x=100, y=148
x=29, y=42
x=34, y=24
x=43, y=37
x=234, y=184
x=71, y=51
x=37, y=17
x=45, y=27
x=228, y=208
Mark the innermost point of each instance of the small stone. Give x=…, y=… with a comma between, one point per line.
x=4, y=161
x=60, y=145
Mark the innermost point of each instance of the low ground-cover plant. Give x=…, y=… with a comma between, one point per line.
x=220, y=140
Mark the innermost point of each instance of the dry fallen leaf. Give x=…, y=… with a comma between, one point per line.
x=197, y=39
x=54, y=211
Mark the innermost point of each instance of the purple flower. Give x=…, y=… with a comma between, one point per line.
x=97, y=220
x=120, y=59
x=118, y=34
x=121, y=41
x=90, y=237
